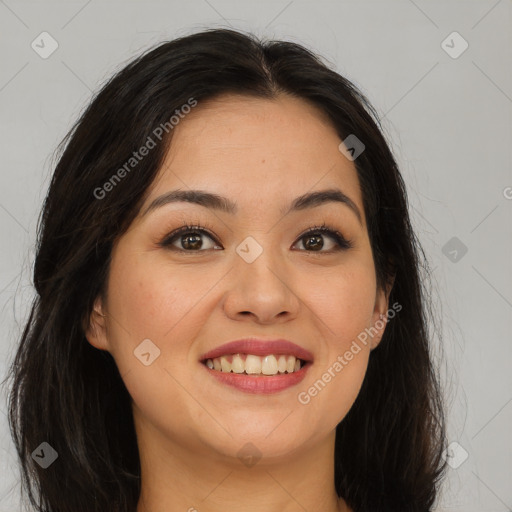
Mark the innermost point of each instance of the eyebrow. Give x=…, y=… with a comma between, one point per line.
x=216, y=202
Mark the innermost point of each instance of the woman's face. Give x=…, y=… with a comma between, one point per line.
x=252, y=274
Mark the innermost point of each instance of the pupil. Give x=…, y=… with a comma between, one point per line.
x=313, y=239
x=191, y=245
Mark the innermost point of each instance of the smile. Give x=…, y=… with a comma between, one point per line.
x=250, y=364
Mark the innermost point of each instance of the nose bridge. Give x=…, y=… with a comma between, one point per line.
x=259, y=283
x=258, y=256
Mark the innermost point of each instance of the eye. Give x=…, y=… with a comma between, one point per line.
x=189, y=239
x=313, y=239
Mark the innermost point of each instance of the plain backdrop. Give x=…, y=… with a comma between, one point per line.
x=440, y=76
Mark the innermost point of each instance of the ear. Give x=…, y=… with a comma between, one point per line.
x=379, y=317
x=96, y=329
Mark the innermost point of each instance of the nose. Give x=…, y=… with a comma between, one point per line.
x=261, y=291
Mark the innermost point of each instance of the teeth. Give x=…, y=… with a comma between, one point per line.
x=252, y=364
x=281, y=364
x=269, y=365
x=255, y=365
x=237, y=365
x=225, y=365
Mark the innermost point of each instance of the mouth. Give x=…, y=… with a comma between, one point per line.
x=252, y=364
x=258, y=366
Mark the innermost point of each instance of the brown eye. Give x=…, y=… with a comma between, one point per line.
x=314, y=242
x=189, y=239
x=313, y=239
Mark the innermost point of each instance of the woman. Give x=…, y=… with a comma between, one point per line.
x=229, y=310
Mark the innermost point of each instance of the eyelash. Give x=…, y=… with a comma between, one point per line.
x=324, y=229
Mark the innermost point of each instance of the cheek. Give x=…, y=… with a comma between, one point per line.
x=160, y=401
x=344, y=303
x=344, y=310
x=149, y=300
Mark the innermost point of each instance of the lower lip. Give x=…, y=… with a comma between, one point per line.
x=260, y=384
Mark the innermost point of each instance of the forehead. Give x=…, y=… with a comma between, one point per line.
x=257, y=152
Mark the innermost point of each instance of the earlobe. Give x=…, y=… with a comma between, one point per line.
x=380, y=317
x=379, y=327
x=96, y=329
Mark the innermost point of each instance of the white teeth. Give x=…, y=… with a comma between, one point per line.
x=269, y=365
x=238, y=365
x=252, y=364
x=255, y=365
x=225, y=365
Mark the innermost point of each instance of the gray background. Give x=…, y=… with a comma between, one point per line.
x=448, y=121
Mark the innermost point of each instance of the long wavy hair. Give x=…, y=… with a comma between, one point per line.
x=388, y=450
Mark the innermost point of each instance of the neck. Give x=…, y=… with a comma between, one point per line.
x=198, y=479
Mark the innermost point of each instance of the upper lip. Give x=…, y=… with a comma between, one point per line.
x=259, y=347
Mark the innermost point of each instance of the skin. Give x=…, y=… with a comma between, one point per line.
x=261, y=154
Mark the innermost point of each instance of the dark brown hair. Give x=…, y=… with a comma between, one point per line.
x=70, y=395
